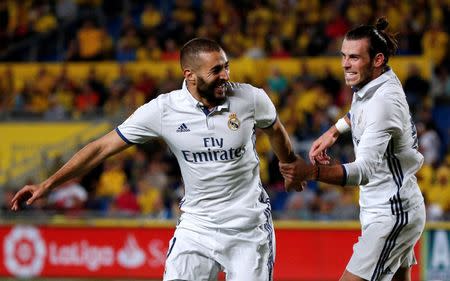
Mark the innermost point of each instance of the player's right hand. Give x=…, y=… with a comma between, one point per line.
x=28, y=194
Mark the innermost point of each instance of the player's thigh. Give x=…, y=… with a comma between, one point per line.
x=386, y=245
x=402, y=274
x=251, y=255
x=408, y=240
x=188, y=258
x=348, y=276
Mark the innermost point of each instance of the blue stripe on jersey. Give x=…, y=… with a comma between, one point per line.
x=394, y=166
x=396, y=209
x=344, y=178
x=254, y=145
x=398, y=168
x=123, y=137
x=181, y=202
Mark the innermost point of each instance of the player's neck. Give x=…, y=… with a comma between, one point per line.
x=205, y=102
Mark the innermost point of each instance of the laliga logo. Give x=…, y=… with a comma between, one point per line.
x=131, y=256
x=24, y=251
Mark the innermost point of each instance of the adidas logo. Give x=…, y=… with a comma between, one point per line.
x=183, y=128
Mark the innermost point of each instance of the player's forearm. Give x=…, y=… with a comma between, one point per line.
x=83, y=161
x=332, y=134
x=283, y=149
x=334, y=174
x=281, y=143
x=87, y=158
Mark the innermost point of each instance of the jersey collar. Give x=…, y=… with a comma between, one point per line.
x=375, y=83
x=223, y=107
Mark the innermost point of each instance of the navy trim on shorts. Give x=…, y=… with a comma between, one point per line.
x=171, y=247
x=397, y=209
x=269, y=228
x=122, y=136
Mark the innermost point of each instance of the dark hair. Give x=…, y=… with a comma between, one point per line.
x=190, y=51
x=380, y=41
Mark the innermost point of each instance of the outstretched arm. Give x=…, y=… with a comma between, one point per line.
x=83, y=161
x=282, y=147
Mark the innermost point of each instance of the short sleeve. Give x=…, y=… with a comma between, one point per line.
x=265, y=112
x=143, y=124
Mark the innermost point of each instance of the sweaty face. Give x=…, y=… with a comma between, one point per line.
x=356, y=62
x=212, y=76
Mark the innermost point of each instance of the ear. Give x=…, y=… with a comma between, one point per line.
x=189, y=75
x=378, y=61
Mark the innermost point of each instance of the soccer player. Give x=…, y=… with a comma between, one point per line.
x=392, y=211
x=209, y=125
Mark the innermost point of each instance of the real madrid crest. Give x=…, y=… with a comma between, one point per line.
x=233, y=122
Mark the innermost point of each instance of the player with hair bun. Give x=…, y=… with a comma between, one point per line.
x=392, y=211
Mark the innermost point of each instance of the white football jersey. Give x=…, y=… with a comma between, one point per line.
x=215, y=151
x=385, y=142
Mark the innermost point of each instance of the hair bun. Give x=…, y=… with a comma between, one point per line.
x=381, y=24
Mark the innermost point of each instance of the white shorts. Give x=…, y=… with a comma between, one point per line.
x=386, y=243
x=198, y=254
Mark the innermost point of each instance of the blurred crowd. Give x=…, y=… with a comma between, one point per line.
x=145, y=180
x=128, y=30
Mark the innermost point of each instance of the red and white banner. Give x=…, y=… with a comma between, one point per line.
x=30, y=251
x=131, y=252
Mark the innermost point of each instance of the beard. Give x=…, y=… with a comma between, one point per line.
x=211, y=92
x=366, y=75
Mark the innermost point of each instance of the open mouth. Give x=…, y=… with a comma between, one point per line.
x=350, y=75
x=220, y=89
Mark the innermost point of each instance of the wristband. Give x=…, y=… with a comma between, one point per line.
x=342, y=126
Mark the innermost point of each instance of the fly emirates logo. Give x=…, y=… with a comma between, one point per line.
x=214, y=151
